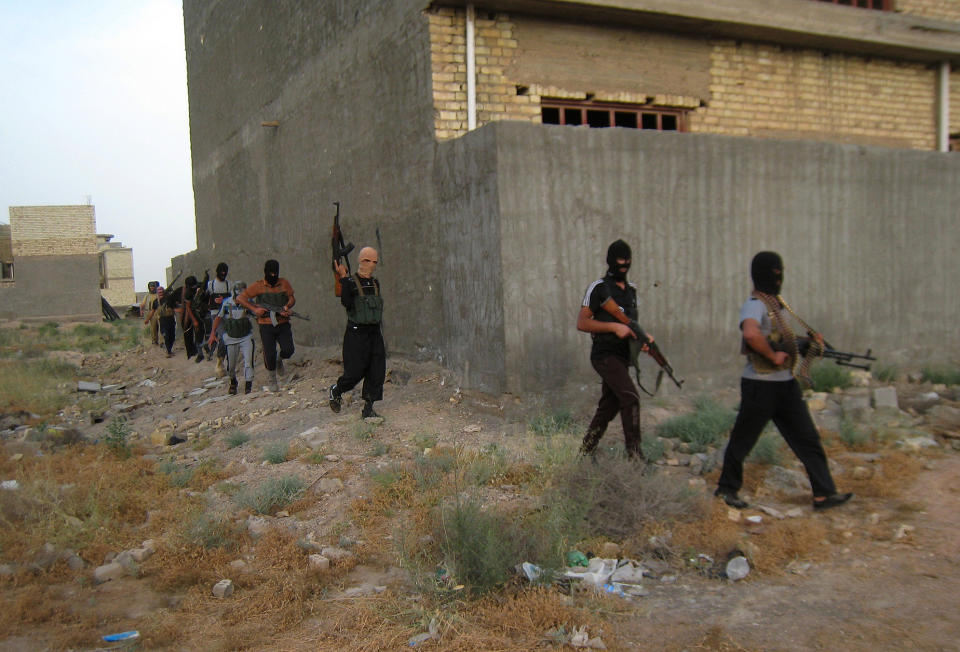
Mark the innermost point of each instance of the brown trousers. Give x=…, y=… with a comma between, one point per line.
x=618, y=394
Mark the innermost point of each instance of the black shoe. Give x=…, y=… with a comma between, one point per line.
x=199, y=356
x=247, y=386
x=732, y=499
x=368, y=411
x=233, y=386
x=336, y=400
x=833, y=500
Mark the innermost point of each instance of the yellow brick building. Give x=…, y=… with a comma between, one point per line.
x=796, y=69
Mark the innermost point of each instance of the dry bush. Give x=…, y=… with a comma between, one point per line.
x=82, y=498
x=892, y=474
x=783, y=541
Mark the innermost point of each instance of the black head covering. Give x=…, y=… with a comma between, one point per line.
x=190, y=281
x=222, y=269
x=618, y=250
x=271, y=271
x=766, y=270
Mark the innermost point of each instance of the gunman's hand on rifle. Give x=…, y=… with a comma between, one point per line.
x=212, y=340
x=340, y=270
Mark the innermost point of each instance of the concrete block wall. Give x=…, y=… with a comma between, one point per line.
x=729, y=87
x=53, y=230
x=117, y=266
x=6, y=245
x=937, y=9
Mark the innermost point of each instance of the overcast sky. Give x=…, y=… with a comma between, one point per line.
x=94, y=109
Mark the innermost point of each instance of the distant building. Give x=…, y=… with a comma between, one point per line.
x=54, y=265
x=116, y=272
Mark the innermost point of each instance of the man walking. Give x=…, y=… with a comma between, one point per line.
x=219, y=289
x=364, y=352
x=271, y=300
x=769, y=390
x=610, y=350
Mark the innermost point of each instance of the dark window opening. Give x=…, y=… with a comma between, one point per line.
x=880, y=5
x=6, y=271
x=955, y=143
x=598, y=115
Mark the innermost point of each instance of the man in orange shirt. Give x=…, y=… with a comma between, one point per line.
x=271, y=300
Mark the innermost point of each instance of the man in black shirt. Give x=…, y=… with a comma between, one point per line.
x=364, y=352
x=610, y=351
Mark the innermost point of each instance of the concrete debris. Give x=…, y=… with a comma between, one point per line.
x=223, y=589
x=885, y=397
x=108, y=572
x=336, y=555
x=88, y=386
x=770, y=511
x=318, y=562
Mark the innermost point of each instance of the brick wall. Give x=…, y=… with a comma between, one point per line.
x=761, y=90
x=939, y=9
x=955, y=102
x=6, y=248
x=750, y=89
x=117, y=263
x=53, y=230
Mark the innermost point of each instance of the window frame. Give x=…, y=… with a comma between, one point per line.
x=876, y=5
x=586, y=107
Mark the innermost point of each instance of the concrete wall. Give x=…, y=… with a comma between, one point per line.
x=53, y=287
x=868, y=236
x=56, y=267
x=348, y=81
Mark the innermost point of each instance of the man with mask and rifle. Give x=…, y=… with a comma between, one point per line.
x=609, y=308
x=769, y=389
x=271, y=300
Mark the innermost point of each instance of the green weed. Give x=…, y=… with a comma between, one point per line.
x=547, y=424
x=363, y=431
x=851, y=435
x=208, y=531
x=652, y=448
x=828, y=376
x=888, y=373
x=768, y=450
x=706, y=426
x=276, y=452
x=237, y=438
x=424, y=441
x=488, y=466
x=271, y=495
x=941, y=375
x=116, y=438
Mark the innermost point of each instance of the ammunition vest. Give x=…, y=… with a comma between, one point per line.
x=272, y=300
x=217, y=289
x=164, y=309
x=237, y=325
x=367, y=308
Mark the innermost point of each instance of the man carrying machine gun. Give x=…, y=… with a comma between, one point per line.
x=769, y=389
x=271, y=300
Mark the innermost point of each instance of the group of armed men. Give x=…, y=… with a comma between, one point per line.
x=215, y=316
x=218, y=311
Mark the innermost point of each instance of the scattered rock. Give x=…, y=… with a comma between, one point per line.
x=738, y=568
x=885, y=397
x=107, y=572
x=318, y=562
x=336, y=555
x=223, y=589
x=330, y=485
x=88, y=386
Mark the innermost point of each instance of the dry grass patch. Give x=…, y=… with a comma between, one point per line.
x=894, y=472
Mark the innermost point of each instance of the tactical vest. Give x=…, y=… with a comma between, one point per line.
x=272, y=300
x=367, y=308
x=237, y=325
x=213, y=290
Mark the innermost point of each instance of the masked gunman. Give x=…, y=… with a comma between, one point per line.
x=364, y=353
x=233, y=329
x=271, y=300
x=768, y=390
x=161, y=313
x=218, y=289
x=192, y=319
x=610, y=351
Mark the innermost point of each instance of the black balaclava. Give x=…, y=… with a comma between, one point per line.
x=618, y=249
x=222, y=270
x=190, y=282
x=271, y=272
x=766, y=270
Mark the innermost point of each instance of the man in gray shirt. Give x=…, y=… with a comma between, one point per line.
x=768, y=390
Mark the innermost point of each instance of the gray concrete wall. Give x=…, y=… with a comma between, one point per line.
x=349, y=83
x=868, y=236
x=41, y=289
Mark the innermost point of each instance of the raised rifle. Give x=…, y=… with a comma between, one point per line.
x=653, y=350
x=341, y=250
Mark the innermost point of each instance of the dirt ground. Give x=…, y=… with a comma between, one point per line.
x=884, y=578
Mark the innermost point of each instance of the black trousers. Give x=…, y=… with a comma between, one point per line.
x=364, y=358
x=168, y=327
x=272, y=336
x=192, y=337
x=617, y=394
x=761, y=401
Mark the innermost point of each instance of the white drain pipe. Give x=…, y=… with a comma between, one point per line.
x=943, y=107
x=471, y=69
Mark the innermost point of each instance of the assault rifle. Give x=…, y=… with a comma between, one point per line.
x=340, y=249
x=276, y=310
x=636, y=346
x=842, y=358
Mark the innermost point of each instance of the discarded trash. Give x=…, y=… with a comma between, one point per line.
x=598, y=571
x=738, y=568
x=427, y=635
x=532, y=571
x=174, y=440
x=577, y=558
x=122, y=636
x=9, y=485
